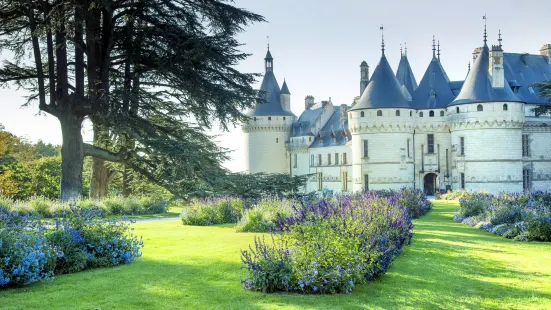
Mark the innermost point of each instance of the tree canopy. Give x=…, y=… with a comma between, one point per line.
x=154, y=74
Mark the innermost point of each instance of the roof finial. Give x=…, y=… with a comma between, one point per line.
x=268, y=38
x=382, y=39
x=401, y=53
x=438, y=50
x=433, y=47
x=485, y=33
x=499, y=40
x=406, y=49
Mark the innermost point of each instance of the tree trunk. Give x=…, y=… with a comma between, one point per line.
x=99, y=185
x=127, y=178
x=71, y=157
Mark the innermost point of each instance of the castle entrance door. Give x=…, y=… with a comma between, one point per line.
x=430, y=184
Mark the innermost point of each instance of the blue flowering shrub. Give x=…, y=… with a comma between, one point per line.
x=264, y=215
x=83, y=240
x=25, y=255
x=414, y=200
x=30, y=251
x=519, y=216
x=330, y=247
x=212, y=211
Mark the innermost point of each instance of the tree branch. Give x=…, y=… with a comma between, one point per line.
x=94, y=151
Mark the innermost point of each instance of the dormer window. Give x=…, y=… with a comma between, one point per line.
x=432, y=94
x=379, y=113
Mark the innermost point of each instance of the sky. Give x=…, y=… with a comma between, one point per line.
x=318, y=46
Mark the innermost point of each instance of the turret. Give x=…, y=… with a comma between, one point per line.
x=285, y=96
x=269, y=61
x=364, y=76
x=496, y=65
x=545, y=50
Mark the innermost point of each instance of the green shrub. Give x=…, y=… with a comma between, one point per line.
x=42, y=206
x=263, y=216
x=204, y=212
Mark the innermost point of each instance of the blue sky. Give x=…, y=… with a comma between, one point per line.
x=318, y=46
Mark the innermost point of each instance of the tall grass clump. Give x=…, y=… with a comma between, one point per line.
x=212, y=211
x=264, y=215
x=330, y=247
x=519, y=216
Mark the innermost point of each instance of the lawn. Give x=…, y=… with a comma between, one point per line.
x=449, y=265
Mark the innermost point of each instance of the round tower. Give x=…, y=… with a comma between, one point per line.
x=381, y=125
x=268, y=129
x=486, y=121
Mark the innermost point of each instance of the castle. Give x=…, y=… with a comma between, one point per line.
x=477, y=134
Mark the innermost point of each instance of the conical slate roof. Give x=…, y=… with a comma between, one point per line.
x=383, y=90
x=285, y=89
x=270, y=103
x=478, y=86
x=405, y=75
x=434, y=91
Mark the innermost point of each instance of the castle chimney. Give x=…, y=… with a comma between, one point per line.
x=545, y=50
x=364, y=76
x=308, y=102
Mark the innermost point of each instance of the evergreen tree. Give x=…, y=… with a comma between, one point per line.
x=544, y=90
x=152, y=75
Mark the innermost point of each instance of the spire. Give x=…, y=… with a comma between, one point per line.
x=269, y=61
x=382, y=39
x=438, y=50
x=485, y=33
x=499, y=40
x=433, y=48
x=405, y=76
x=284, y=88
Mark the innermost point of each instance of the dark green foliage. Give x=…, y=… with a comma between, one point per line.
x=544, y=90
x=258, y=185
x=204, y=212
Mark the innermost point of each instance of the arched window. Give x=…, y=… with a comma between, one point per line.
x=431, y=113
x=397, y=112
x=410, y=113
x=362, y=114
x=505, y=107
x=284, y=118
x=269, y=118
x=420, y=114
x=479, y=108
x=379, y=113
x=441, y=113
x=456, y=109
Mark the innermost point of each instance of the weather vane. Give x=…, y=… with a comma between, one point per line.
x=382, y=38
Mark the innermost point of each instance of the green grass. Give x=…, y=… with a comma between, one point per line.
x=449, y=265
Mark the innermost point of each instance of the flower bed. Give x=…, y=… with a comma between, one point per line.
x=523, y=217
x=332, y=246
x=31, y=252
x=48, y=208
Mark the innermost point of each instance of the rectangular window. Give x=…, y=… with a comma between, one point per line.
x=430, y=143
x=312, y=163
x=366, y=182
x=526, y=179
x=462, y=181
x=408, y=147
x=344, y=181
x=336, y=159
x=277, y=140
x=366, y=153
x=525, y=146
x=328, y=159
x=319, y=159
x=462, y=146
x=320, y=181
x=344, y=158
x=295, y=160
